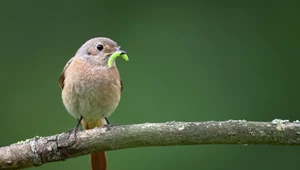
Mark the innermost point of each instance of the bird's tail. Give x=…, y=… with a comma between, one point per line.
x=98, y=159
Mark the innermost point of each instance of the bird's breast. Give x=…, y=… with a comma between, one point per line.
x=91, y=92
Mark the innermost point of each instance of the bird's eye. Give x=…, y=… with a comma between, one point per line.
x=99, y=47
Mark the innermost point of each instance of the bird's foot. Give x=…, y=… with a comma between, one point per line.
x=74, y=130
x=109, y=126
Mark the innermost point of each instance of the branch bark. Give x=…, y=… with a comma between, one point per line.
x=41, y=150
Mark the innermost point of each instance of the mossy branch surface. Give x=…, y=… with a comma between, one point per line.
x=40, y=150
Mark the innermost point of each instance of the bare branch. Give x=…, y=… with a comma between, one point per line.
x=41, y=150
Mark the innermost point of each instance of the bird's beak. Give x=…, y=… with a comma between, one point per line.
x=116, y=54
x=122, y=51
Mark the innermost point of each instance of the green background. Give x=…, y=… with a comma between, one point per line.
x=189, y=61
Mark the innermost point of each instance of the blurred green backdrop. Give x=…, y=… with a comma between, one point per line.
x=189, y=61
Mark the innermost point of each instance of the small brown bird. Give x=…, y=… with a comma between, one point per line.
x=91, y=90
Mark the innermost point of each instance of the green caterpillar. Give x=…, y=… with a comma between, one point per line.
x=116, y=54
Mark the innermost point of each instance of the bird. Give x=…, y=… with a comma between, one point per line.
x=91, y=88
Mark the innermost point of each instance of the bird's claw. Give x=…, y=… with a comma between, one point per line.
x=109, y=126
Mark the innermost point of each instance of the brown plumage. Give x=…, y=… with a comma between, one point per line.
x=91, y=89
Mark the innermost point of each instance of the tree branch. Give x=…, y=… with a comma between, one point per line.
x=41, y=150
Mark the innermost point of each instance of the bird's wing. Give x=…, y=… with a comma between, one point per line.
x=62, y=75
